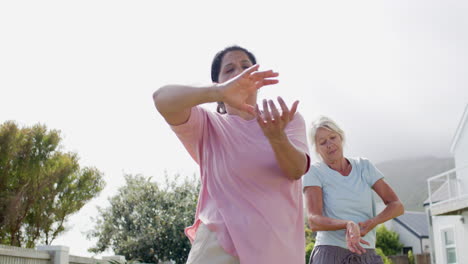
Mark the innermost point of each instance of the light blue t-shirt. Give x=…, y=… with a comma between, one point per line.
x=345, y=197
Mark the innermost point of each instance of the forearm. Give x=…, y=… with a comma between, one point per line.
x=323, y=223
x=392, y=210
x=178, y=98
x=291, y=160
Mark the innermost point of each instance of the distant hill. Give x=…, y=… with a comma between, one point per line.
x=408, y=177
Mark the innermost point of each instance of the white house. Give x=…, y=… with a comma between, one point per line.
x=412, y=228
x=447, y=205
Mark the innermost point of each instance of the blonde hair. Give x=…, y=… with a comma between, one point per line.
x=327, y=123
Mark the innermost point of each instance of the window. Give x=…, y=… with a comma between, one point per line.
x=407, y=249
x=448, y=238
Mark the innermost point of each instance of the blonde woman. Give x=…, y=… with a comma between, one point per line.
x=340, y=207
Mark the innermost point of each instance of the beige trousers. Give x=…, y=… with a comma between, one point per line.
x=206, y=249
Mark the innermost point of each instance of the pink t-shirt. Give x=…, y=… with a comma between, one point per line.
x=255, y=210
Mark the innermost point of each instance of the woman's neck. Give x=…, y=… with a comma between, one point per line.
x=244, y=115
x=341, y=165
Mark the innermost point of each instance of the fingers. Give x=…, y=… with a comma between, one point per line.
x=266, y=112
x=274, y=110
x=289, y=114
x=260, y=120
x=293, y=110
x=260, y=75
x=272, y=116
x=285, y=114
x=359, y=249
x=257, y=78
x=355, y=247
x=283, y=105
x=269, y=119
x=265, y=82
x=251, y=69
x=364, y=242
x=262, y=78
x=352, y=246
x=353, y=238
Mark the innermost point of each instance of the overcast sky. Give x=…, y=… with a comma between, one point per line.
x=393, y=74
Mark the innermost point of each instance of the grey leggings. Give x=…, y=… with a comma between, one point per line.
x=338, y=255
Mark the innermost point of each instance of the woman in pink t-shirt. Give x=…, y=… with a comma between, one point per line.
x=250, y=204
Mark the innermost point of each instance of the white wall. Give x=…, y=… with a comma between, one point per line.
x=461, y=235
x=464, y=238
x=426, y=245
x=460, y=153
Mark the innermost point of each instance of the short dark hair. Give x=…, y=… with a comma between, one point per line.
x=216, y=68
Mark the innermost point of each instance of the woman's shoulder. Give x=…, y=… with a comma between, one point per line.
x=208, y=120
x=364, y=165
x=359, y=161
x=318, y=168
x=315, y=175
x=317, y=164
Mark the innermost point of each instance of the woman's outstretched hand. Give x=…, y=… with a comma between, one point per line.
x=272, y=121
x=235, y=91
x=353, y=238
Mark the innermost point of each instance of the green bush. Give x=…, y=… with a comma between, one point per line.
x=384, y=258
x=411, y=257
x=309, y=236
x=388, y=241
x=308, y=251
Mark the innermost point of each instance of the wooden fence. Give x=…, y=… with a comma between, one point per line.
x=422, y=258
x=418, y=259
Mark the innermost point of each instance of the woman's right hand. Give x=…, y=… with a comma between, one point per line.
x=353, y=238
x=235, y=91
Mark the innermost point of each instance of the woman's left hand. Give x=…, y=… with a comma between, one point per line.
x=272, y=122
x=353, y=238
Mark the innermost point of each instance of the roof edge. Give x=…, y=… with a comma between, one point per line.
x=459, y=129
x=410, y=229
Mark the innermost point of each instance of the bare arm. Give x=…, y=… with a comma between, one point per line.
x=291, y=160
x=394, y=207
x=318, y=222
x=175, y=101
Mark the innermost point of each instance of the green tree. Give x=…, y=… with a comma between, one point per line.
x=145, y=220
x=40, y=186
x=388, y=241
